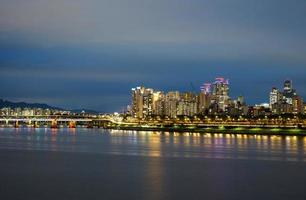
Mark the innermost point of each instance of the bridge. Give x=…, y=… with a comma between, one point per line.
x=110, y=122
x=54, y=122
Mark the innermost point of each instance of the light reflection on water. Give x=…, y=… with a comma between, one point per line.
x=156, y=144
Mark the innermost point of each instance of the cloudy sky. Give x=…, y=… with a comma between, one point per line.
x=89, y=53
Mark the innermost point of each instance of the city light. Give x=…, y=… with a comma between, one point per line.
x=211, y=108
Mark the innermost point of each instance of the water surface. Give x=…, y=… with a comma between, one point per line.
x=111, y=164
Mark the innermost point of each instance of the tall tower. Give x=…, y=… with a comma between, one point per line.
x=289, y=92
x=171, y=102
x=287, y=86
x=206, y=88
x=158, y=103
x=142, y=102
x=275, y=97
x=204, y=98
x=137, y=102
x=221, y=92
x=297, y=103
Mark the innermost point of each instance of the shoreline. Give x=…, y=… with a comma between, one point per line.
x=234, y=131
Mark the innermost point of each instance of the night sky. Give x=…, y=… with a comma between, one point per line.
x=90, y=53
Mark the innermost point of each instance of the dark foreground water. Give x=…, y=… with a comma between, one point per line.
x=102, y=164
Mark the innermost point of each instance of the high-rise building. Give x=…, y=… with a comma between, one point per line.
x=158, y=103
x=204, y=102
x=276, y=97
x=142, y=102
x=240, y=100
x=287, y=101
x=220, y=93
x=171, y=102
x=297, y=103
x=137, y=102
x=282, y=108
x=287, y=86
x=206, y=88
x=187, y=104
x=204, y=98
x=289, y=92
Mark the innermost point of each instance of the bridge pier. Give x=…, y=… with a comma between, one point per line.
x=36, y=124
x=72, y=124
x=17, y=124
x=90, y=125
x=54, y=123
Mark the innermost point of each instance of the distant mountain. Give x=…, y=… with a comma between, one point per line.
x=5, y=103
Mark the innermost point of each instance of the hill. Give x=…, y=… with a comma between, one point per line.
x=5, y=103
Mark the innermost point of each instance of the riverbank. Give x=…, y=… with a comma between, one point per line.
x=251, y=130
x=221, y=129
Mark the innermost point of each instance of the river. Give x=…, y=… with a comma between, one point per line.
x=84, y=163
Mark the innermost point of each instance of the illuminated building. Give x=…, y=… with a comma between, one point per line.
x=297, y=103
x=240, y=100
x=137, y=102
x=237, y=107
x=171, y=103
x=187, y=104
x=277, y=104
x=18, y=111
x=28, y=112
x=6, y=111
x=282, y=108
x=220, y=93
x=206, y=88
x=48, y=112
x=158, y=103
x=213, y=99
x=147, y=103
x=289, y=92
x=142, y=102
x=287, y=101
x=159, y=108
x=275, y=97
x=204, y=98
x=259, y=110
x=204, y=102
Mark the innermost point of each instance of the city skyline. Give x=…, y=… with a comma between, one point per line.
x=152, y=99
x=213, y=99
x=89, y=54
x=205, y=87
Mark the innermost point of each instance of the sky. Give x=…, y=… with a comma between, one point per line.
x=90, y=53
